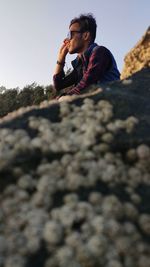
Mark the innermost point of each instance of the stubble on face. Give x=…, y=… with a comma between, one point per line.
x=76, y=43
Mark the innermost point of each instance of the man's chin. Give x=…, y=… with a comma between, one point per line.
x=72, y=51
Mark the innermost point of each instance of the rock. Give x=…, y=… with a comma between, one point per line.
x=75, y=180
x=138, y=58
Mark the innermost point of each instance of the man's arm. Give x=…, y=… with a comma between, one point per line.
x=61, y=57
x=99, y=63
x=61, y=81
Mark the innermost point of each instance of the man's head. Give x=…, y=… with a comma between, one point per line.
x=82, y=33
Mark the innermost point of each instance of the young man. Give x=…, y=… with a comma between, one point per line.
x=94, y=64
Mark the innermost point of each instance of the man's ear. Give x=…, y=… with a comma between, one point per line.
x=86, y=35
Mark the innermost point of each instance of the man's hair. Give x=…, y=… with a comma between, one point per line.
x=87, y=23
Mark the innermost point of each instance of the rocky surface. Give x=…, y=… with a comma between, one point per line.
x=75, y=180
x=139, y=57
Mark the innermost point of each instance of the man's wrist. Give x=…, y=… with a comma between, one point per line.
x=61, y=63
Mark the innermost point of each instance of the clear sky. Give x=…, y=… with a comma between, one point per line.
x=31, y=32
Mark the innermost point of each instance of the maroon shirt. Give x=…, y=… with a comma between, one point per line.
x=87, y=70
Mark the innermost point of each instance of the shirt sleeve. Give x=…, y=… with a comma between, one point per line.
x=99, y=62
x=61, y=81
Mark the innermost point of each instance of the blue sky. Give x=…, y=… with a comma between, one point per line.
x=31, y=32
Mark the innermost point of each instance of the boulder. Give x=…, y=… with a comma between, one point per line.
x=138, y=57
x=75, y=179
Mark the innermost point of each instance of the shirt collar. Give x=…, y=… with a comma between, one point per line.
x=85, y=55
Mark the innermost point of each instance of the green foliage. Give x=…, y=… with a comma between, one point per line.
x=50, y=92
x=38, y=95
x=33, y=94
x=8, y=101
x=2, y=89
x=25, y=97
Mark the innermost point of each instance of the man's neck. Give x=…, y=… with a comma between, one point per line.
x=84, y=49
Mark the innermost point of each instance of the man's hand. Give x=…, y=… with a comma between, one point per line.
x=63, y=50
x=61, y=56
x=64, y=97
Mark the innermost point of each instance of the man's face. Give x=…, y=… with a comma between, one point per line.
x=76, y=42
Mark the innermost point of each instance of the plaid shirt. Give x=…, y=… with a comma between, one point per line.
x=89, y=69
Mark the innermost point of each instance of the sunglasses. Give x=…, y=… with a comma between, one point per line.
x=70, y=34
